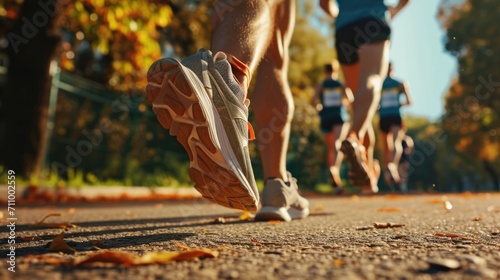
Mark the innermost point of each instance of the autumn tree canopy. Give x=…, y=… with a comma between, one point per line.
x=473, y=103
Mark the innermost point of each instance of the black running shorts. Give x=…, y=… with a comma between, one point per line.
x=386, y=123
x=350, y=38
x=327, y=124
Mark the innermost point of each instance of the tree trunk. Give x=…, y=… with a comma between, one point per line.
x=32, y=46
x=494, y=175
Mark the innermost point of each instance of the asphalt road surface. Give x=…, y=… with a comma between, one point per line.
x=379, y=237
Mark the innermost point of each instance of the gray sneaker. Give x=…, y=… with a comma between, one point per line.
x=201, y=103
x=282, y=201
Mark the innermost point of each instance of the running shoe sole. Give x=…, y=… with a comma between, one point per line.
x=358, y=171
x=183, y=106
x=269, y=213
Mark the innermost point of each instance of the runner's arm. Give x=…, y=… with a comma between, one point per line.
x=394, y=10
x=330, y=7
x=405, y=89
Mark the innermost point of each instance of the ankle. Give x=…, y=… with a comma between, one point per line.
x=241, y=71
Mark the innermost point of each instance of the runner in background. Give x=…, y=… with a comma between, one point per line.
x=391, y=124
x=362, y=40
x=330, y=98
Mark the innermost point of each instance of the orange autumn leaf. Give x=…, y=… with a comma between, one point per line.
x=169, y=256
x=63, y=225
x=274, y=222
x=389, y=209
x=195, y=253
x=113, y=257
x=46, y=217
x=59, y=245
x=157, y=258
x=129, y=259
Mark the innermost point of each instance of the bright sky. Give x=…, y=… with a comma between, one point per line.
x=419, y=57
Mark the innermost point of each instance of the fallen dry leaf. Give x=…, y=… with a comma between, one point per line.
x=389, y=209
x=387, y=225
x=195, y=253
x=274, y=222
x=451, y=235
x=157, y=257
x=246, y=216
x=256, y=242
x=54, y=225
x=46, y=217
x=114, y=257
x=477, y=219
x=59, y=245
x=129, y=259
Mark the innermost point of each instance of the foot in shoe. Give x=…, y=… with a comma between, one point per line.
x=360, y=174
x=182, y=94
x=282, y=201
